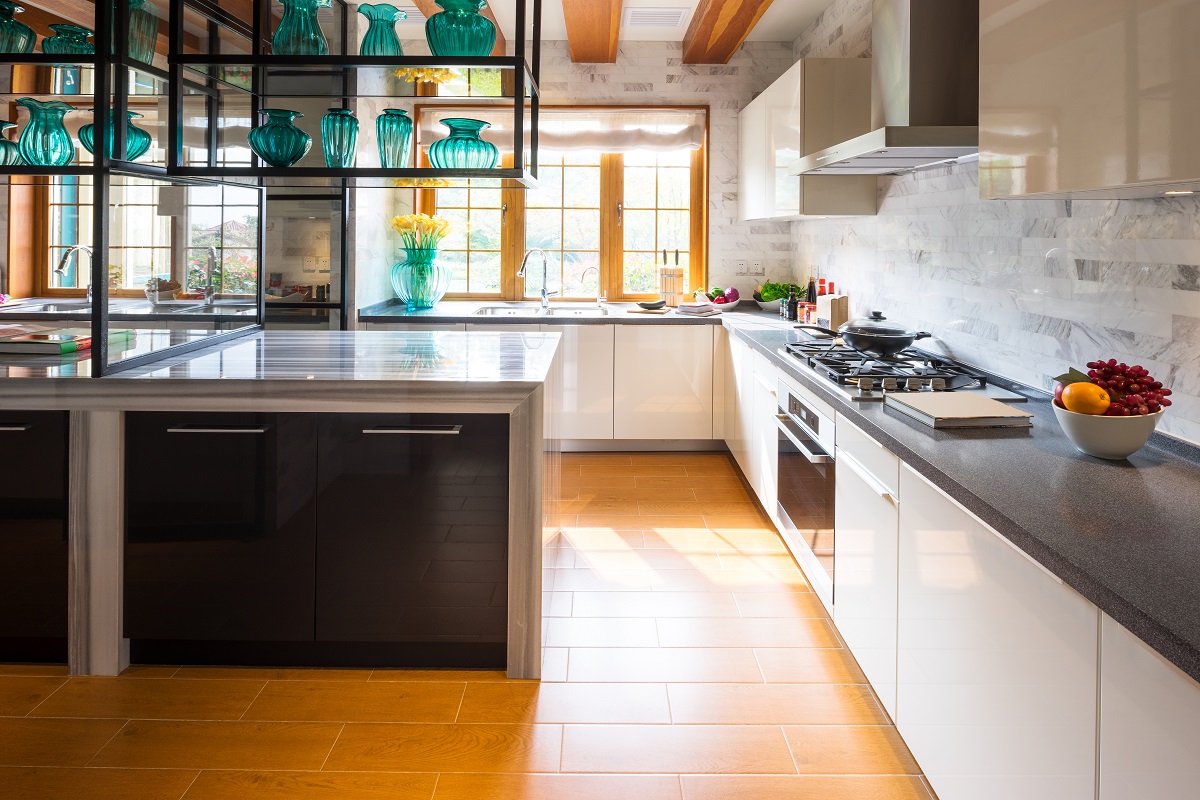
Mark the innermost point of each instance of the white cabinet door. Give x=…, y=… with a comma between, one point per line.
x=865, y=553
x=585, y=410
x=738, y=426
x=663, y=385
x=996, y=690
x=765, y=440
x=1149, y=722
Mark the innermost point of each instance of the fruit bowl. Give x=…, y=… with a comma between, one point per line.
x=772, y=306
x=727, y=306
x=1113, y=438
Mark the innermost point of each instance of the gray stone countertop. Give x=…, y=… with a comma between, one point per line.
x=560, y=313
x=1124, y=534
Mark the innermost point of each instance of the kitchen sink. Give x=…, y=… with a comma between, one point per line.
x=506, y=311
x=577, y=312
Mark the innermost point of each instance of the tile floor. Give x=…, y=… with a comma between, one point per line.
x=686, y=659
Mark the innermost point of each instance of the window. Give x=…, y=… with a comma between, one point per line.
x=620, y=194
x=224, y=218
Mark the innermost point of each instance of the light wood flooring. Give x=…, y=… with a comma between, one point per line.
x=686, y=659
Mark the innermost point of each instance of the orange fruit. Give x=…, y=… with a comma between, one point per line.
x=1085, y=398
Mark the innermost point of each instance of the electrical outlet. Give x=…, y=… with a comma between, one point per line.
x=756, y=268
x=310, y=264
x=739, y=268
x=323, y=265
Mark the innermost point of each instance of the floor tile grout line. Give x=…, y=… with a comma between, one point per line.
x=112, y=738
x=29, y=713
x=436, y=780
x=788, y=743
x=250, y=705
x=332, y=746
x=462, y=698
x=199, y=772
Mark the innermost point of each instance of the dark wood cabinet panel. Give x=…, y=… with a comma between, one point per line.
x=220, y=526
x=412, y=528
x=33, y=536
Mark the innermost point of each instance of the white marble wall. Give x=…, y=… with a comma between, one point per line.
x=1025, y=288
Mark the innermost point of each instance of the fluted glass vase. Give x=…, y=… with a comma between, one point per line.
x=45, y=141
x=299, y=33
x=380, y=38
x=15, y=37
x=463, y=149
x=68, y=40
x=460, y=30
x=137, y=141
x=10, y=154
x=419, y=280
x=339, y=138
x=393, y=128
x=143, y=31
x=278, y=141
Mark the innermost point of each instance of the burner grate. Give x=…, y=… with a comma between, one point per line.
x=844, y=365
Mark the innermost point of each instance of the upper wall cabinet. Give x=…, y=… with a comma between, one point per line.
x=816, y=104
x=1088, y=96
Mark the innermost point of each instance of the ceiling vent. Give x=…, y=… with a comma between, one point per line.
x=655, y=17
x=415, y=17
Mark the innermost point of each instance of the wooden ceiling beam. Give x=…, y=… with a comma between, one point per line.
x=593, y=30
x=429, y=8
x=718, y=29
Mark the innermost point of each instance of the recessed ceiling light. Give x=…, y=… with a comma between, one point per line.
x=1178, y=192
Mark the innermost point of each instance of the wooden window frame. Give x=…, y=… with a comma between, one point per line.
x=612, y=244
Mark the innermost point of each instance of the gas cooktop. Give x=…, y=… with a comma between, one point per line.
x=862, y=377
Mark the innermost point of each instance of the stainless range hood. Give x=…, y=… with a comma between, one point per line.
x=924, y=92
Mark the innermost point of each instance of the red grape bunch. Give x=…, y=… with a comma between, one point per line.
x=1133, y=389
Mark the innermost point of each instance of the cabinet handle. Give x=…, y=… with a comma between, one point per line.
x=861, y=471
x=813, y=458
x=16, y=427
x=770, y=387
x=423, y=430
x=202, y=429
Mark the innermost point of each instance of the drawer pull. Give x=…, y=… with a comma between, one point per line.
x=420, y=430
x=203, y=429
x=877, y=486
x=17, y=427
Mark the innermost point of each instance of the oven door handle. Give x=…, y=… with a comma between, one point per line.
x=813, y=458
x=876, y=485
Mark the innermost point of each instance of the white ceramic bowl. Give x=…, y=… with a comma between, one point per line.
x=728, y=306
x=1113, y=438
x=772, y=306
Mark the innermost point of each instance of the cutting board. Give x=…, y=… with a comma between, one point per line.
x=959, y=410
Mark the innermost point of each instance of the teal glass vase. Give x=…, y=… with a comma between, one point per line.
x=137, y=141
x=10, y=154
x=460, y=30
x=419, y=280
x=394, y=128
x=143, y=31
x=68, y=40
x=15, y=37
x=299, y=33
x=45, y=141
x=339, y=138
x=278, y=141
x=380, y=38
x=463, y=149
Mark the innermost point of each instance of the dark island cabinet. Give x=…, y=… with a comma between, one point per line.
x=33, y=536
x=412, y=532
x=220, y=526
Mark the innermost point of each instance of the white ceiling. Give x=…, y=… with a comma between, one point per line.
x=782, y=22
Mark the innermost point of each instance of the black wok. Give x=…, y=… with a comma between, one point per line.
x=873, y=336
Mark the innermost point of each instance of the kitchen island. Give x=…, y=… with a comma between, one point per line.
x=397, y=412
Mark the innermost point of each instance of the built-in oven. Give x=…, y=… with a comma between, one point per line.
x=806, y=484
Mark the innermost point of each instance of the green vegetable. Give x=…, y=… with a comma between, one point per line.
x=769, y=292
x=716, y=292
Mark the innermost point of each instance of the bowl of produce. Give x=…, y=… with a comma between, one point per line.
x=770, y=295
x=727, y=299
x=1111, y=410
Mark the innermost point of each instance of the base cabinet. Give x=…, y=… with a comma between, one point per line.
x=33, y=536
x=997, y=660
x=220, y=527
x=663, y=382
x=1149, y=721
x=586, y=410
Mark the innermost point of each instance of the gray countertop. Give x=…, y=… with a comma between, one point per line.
x=1124, y=534
x=525, y=313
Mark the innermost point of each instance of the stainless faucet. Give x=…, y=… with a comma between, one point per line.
x=545, y=274
x=61, y=269
x=213, y=262
x=583, y=282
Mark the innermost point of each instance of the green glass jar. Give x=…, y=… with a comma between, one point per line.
x=463, y=149
x=143, y=31
x=460, y=30
x=137, y=141
x=68, y=40
x=10, y=154
x=299, y=33
x=45, y=141
x=339, y=138
x=380, y=38
x=278, y=141
x=393, y=129
x=15, y=37
x=419, y=280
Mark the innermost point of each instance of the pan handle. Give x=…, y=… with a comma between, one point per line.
x=922, y=335
x=816, y=328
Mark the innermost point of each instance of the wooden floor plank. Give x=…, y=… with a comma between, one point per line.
x=809, y=665
x=530, y=702
x=803, y=787
x=447, y=748
x=29, y=742
x=160, y=744
x=676, y=748
x=850, y=750
x=464, y=786
x=58, y=783
x=143, y=698
x=642, y=665
x=357, y=701
x=20, y=695
x=239, y=785
x=774, y=704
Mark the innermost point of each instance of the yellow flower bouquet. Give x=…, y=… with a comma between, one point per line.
x=420, y=281
x=424, y=74
x=421, y=231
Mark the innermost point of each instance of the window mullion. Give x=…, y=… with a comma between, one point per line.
x=612, y=233
x=512, y=243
